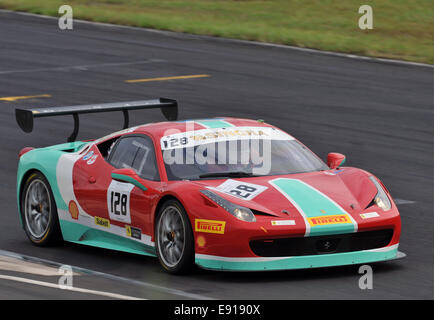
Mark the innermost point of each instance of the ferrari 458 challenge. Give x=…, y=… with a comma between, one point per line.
x=221, y=193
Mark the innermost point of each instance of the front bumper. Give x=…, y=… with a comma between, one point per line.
x=300, y=262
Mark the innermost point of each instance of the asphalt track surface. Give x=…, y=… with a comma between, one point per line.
x=381, y=115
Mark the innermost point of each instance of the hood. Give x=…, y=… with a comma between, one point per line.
x=331, y=192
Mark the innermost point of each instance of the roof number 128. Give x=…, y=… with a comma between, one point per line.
x=175, y=142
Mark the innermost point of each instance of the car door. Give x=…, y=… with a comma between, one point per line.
x=91, y=178
x=127, y=205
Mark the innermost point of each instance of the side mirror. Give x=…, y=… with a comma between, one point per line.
x=335, y=160
x=128, y=175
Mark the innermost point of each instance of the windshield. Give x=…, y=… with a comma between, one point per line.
x=240, y=158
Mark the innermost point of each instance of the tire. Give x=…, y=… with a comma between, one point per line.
x=174, y=240
x=39, y=211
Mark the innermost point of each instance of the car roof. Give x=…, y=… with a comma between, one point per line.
x=161, y=129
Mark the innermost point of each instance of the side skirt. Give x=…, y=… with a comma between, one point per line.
x=78, y=233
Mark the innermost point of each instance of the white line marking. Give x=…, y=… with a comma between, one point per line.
x=107, y=276
x=264, y=44
x=56, y=286
x=18, y=265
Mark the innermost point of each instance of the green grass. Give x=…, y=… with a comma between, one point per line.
x=403, y=29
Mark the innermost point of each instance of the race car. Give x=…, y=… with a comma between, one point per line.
x=220, y=193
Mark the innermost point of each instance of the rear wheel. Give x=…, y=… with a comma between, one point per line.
x=39, y=211
x=174, y=238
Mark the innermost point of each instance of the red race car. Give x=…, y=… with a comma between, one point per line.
x=221, y=193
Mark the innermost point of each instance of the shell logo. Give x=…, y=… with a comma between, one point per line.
x=73, y=209
x=201, y=242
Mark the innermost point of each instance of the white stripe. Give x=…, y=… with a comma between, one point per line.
x=384, y=249
x=81, y=290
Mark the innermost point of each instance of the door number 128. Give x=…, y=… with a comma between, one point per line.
x=119, y=203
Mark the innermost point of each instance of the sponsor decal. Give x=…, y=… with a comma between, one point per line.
x=210, y=226
x=73, y=209
x=201, y=241
x=283, y=223
x=369, y=215
x=92, y=159
x=317, y=209
x=213, y=135
x=326, y=220
x=102, y=222
x=242, y=190
x=134, y=232
x=88, y=156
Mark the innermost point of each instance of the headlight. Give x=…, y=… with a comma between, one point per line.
x=237, y=211
x=381, y=199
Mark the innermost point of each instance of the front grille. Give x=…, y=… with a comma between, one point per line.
x=303, y=246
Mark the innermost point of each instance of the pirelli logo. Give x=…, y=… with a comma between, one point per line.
x=210, y=226
x=326, y=220
x=102, y=222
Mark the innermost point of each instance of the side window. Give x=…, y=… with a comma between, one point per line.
x=136, y=153
x=106, y=147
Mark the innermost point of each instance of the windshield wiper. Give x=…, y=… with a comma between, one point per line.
x=230, y=174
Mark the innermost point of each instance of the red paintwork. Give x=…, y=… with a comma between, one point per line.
x=334, y=160
x=345, y=186
x=24, y=151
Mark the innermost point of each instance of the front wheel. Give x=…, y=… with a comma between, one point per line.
x=174, y=238
x=39, y=211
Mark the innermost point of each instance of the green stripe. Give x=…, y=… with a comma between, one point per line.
x=313, y=203
x=128, y=179
x=214, y=123
x=302, y=262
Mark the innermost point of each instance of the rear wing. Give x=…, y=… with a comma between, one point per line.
x=169, y=108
